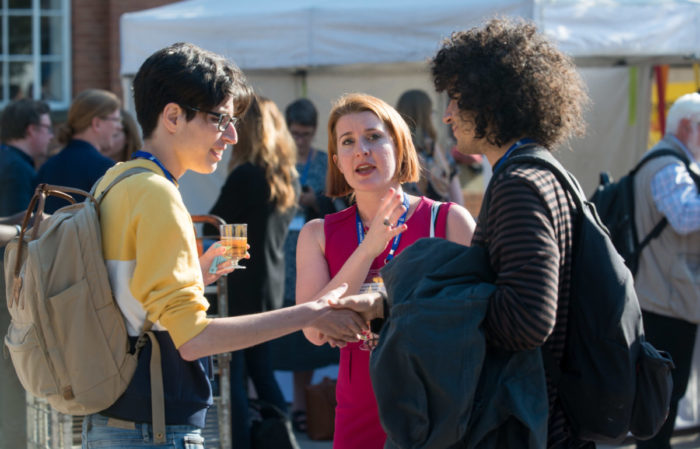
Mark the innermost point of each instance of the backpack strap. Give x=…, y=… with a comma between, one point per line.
x=541, y=156
x=434, y=210
x=122, y=176
x=157, y=394
x=155, y=367
x=661, y=225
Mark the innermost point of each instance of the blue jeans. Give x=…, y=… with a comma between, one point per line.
x=98, y=434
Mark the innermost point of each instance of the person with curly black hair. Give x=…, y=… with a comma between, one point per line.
x=509, y=89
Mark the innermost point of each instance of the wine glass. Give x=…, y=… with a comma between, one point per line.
x=234, y=237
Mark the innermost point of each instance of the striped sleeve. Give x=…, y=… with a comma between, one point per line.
x=523, y=246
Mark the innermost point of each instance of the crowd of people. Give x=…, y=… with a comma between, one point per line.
x=323, y=224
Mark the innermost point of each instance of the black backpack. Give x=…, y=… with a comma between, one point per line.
x=615, y=204
x=611, y=381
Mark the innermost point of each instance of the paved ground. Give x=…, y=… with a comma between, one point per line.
x=680, y=442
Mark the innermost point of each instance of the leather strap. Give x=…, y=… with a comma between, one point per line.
x=157, y=395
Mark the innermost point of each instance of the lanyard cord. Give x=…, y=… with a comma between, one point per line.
x=520, y=143
x=146, y=155
x=397, y=239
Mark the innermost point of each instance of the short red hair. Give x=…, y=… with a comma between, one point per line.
x=406, y=158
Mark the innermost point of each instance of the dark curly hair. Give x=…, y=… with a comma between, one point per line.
x=513, y=82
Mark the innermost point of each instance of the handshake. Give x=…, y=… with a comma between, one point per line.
x=345, y=319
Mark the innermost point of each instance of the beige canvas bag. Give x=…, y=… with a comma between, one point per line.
x=67, y=338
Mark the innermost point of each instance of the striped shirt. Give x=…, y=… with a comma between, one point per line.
x=528, y=230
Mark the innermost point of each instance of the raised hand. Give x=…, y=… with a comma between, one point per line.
x=382, y=228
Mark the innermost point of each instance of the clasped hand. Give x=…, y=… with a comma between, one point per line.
x=346, y=318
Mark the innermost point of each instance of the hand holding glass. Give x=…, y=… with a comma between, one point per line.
x=234, y=237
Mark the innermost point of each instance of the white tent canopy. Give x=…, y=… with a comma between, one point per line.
x=274, y=34
x=324, y=48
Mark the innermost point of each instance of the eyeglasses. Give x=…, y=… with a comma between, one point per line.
x=113, y=119
x=224, y=119
x=48, y=128
x=302, y=134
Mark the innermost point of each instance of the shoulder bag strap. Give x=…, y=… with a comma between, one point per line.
x=434, y=210
x=661, y=225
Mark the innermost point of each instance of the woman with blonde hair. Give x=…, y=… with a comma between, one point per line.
x=93, y=120
x=261, y=190
x=370, y=155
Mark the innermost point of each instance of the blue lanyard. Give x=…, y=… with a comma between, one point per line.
x=152, y=158
x=305, y=172
x=520, y=143
x=397, y=239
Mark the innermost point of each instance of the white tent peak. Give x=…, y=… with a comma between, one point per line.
x=283, y=34
x=273, y=34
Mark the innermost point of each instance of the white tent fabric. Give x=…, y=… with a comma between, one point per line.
x=273, y=34
x=268, y=34
x=628, y=30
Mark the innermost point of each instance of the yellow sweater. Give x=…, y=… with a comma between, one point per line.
x=151, y=254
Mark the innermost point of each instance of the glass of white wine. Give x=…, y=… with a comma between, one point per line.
x=234, y=237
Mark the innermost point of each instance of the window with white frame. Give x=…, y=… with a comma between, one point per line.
x=35, y=51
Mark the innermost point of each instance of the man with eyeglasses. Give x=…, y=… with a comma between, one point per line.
x=93, y=121
x=186, y=101
x=25, y=132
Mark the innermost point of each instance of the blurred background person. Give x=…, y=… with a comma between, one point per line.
x=439, y=178
x=93, y=120
x=371, y=154
x=294, y=352
x=25, y=132
x=127, y=140
x=668, y=279
x=260, y=190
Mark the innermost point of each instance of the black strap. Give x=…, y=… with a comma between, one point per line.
x=661, y=225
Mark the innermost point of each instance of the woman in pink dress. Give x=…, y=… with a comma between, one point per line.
x=370, y=154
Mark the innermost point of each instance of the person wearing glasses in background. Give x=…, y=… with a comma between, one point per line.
x=94, y=119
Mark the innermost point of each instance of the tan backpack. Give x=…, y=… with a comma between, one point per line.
x=67, y=338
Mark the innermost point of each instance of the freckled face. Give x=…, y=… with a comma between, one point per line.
x=366, y=153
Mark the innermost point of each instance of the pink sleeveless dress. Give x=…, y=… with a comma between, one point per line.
x=357, y=423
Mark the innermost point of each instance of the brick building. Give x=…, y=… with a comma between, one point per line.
x=64, y=46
